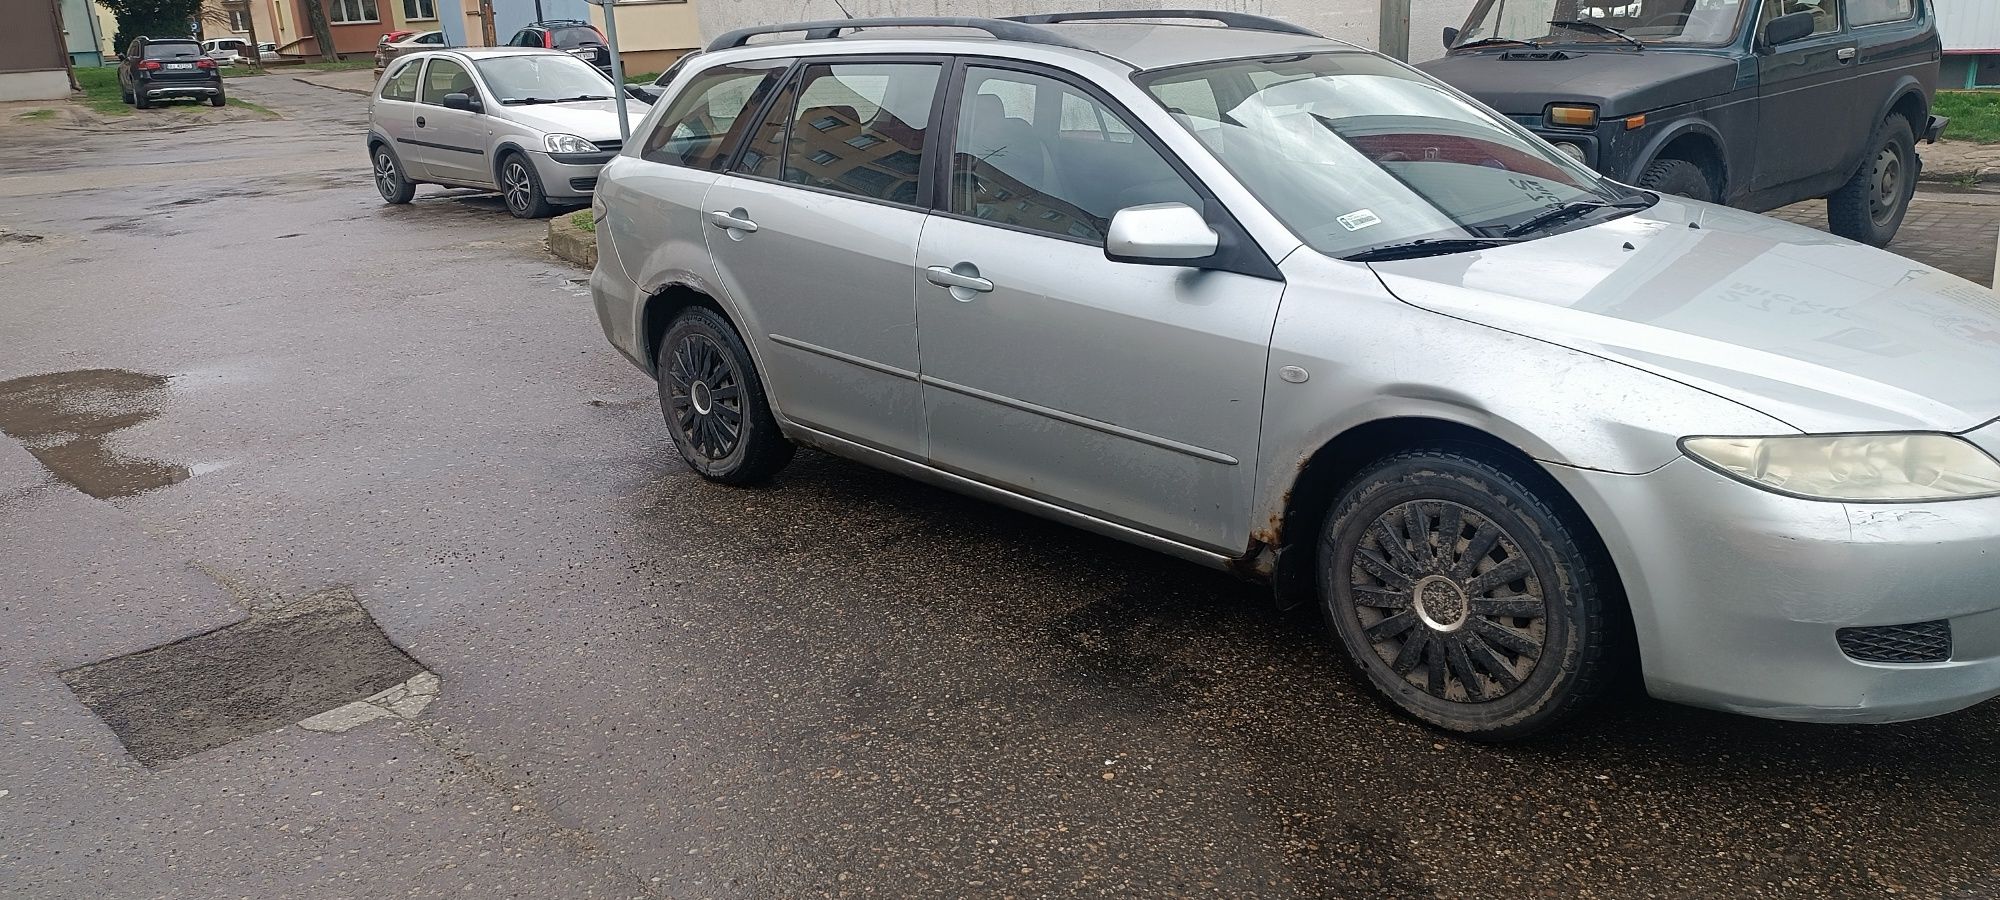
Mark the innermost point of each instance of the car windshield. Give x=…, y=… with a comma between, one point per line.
x=543, y=78
x=1687, y=22
x=1355, y=153
x=172, y=49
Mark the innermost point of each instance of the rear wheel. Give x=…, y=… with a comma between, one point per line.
x=139, y=98
x=714, y=401
x=1463, y=595
x=390, y=181
x=217, y=101
x=1678, y=177
x=1869, y=208
x=522, y=189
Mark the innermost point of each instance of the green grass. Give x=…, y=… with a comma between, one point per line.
x=34, y=115
x=1975, y=115
x=245, y=104
x=581, y=219
x=100, y=91
x=365, y=62
x=641, y=78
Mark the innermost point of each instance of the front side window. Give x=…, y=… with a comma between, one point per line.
x=1825, y=13
x=859, y=128
x=1035, y=153
x=1354, y=153
x=343, y=12
x=702, y=124
x=402, y=83
x=1687, y=22
x=446, y=76
x=419, y=10
x=542, y=78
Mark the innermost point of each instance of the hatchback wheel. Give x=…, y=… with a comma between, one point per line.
x=1870, y=207
x=714, y=401
x=1463, y=595
x=389, y=179
x=522, y=189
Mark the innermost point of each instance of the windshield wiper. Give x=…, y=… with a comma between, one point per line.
x=1493, y=41
x=527, y=101
x=584, y=97
x=1427, y=247
x=1571, y=210
x=1598, y=27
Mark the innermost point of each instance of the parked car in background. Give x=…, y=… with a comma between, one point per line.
x=227, y=51
x=168, y=68
x=573, y=36
x=1291, y=309
x=534, y=124
x=1754, y=104
x=409, y=41
x=390, y=37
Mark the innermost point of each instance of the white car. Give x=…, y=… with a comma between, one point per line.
x=229, y=51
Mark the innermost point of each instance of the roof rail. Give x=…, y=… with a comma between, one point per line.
x=1226, y=19
x=1004, y=29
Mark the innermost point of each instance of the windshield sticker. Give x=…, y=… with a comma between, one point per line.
x=1359, y=219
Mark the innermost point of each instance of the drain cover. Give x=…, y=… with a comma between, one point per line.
x=275, y=668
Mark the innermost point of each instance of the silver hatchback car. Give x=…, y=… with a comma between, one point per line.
x=534, y=124
x=1281, y=306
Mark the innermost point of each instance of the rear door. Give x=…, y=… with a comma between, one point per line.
x=453, y=140
x=1806, y=101
x=1890, y=44
x=816, y=232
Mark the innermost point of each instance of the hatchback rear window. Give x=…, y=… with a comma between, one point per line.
x=172, y=50
x=575, y=36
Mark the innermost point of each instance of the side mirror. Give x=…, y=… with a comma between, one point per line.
x=644, y=93
x=1160, y=234
x=1788, y=28
x=1450, y=36
x=462, y=101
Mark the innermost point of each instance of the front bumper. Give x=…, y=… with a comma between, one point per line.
x=569, y=175
x=1737, y=593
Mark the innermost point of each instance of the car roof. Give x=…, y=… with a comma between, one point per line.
x=1143, y=45
x=478, y=53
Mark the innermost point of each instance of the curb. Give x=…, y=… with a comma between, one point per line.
x=572, y=244
x=329, y=87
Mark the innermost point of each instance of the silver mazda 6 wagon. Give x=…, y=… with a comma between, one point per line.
x=1278, y=305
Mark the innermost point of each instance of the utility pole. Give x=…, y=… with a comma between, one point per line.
x=1394, y=37
x=486, y=23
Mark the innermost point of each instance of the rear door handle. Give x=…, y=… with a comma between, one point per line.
x=722, y=219
x=1846, y=54
x=943, y=277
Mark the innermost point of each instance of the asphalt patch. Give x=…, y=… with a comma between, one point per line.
x=65, y=418
x=281, y=665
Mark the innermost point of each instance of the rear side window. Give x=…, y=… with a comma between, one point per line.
x=708, y=116
x=172, y=49
x=1877, y=12
x=402, y=83
x=574, y=36
x=860, y=128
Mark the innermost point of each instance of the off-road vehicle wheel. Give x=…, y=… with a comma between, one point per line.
x=1870, y=207
x=714, y=401
x=1679, y=178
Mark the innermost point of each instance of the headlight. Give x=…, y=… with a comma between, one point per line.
x=568, y=143
x=1572, y=151
x=1855, y=467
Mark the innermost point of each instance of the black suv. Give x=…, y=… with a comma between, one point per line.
x=1753, y=103
x=162, y=68
x=580, y=38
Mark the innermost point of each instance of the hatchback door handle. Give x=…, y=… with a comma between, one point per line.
x=943, y=277
x=1846, y=54
x=722, y=219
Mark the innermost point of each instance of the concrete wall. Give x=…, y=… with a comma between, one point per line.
x=1347, y=20
x=52, y=85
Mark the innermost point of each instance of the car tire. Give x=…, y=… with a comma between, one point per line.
x=1679, y=178
x=395, y=187
x=139, y=100
x=714, y=402
x=1410, y=562
x=521, y=188
x=1870, y=207
x=125, y=94
x=217, y=101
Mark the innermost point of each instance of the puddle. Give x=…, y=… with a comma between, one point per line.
x=63, y=418
x=318, y=661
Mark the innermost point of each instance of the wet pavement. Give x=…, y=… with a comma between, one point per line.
x=843, y=684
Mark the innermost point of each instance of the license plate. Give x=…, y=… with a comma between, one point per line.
x=180, y=65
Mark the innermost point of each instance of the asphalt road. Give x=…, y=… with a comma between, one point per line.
x=843, y=684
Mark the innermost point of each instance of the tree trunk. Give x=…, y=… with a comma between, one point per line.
x=322, y=32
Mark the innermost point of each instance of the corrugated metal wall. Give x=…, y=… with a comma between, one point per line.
x=1969, y=24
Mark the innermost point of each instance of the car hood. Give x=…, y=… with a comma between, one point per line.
x=1820, y=332
x=1619, y=82
x=592, y=120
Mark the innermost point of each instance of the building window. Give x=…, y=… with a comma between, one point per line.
x=347, y=12
x=823, y=158
x=419, y=10
x=863, y=141
x=239, y=20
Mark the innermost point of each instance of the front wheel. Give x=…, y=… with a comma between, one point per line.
x=1463, y=595
x=522, y=188
x=714, y=401
x=1869, y=208
x=1678, y=177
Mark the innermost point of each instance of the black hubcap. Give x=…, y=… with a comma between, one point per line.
x=705, y=397
x=1449, y=601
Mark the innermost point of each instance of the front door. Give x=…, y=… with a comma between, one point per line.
x=815, y=232
x=1129, y=392
x=452, y=141
x=1806, y=101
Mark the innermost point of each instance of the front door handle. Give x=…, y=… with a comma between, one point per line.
x=420, y=121
x=943, y=277
x=1846, y=54
x=734, y=219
